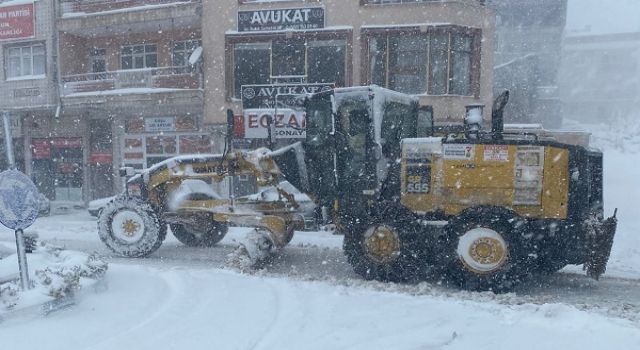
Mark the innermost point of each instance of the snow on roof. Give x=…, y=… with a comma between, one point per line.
x=124, y=92
x=596, y=17
x=17, y=2
x=378, y=91
x=405, y=25
x=122, y=10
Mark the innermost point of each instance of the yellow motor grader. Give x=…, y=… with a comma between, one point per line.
x=483, y=209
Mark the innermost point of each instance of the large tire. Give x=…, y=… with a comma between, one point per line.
x=487, y=248
x=408, y=260
x=206, y=236
x=130, y=227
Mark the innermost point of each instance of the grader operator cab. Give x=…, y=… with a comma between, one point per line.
x=482, y=209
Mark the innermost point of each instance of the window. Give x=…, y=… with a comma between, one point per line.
x=25, y=61
x=439, y=62
x=288, y=57
x=325, y=61
x=182, y=50
x=289, y=61
x=138, y=56
x=98, y=60
x=252, y=65
x=407, y=63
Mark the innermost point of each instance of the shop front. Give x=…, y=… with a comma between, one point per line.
x=57, y=167
x=440, y=52
x=148, y=141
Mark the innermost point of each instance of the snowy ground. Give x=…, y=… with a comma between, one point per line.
x=307, y=297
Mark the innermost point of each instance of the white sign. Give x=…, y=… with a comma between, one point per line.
x=288, y=123
x=18, y=200
x=458, y=151
x=159, y=124
x=529, y=168
x=496, y=153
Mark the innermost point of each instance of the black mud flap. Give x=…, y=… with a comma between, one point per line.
x=602, y=240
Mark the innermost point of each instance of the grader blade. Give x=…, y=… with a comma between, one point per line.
x=601, y=247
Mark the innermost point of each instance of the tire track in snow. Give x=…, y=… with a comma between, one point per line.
x=618, y=297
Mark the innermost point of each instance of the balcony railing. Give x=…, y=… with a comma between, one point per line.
x=96, y=6
x=148, y=78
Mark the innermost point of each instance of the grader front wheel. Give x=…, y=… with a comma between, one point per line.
x=131, y=228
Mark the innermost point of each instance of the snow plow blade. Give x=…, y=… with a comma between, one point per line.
x=603, y=233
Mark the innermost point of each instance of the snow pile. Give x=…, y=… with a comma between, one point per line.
x=55, y=273
x=619, y=134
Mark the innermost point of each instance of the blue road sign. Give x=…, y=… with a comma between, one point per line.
x=18, y=200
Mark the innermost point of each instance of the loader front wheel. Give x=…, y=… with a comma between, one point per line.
x=485, y=248
x=386, y=249
x=130, y=227
x=207, y=236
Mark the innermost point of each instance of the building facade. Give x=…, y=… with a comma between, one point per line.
x=527, y=56
x=600, y=77
x=128, y=92
x=29, y=88
x=94, y=85
x=441, y=51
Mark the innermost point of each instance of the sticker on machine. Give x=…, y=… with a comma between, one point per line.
x=458, y=152
x=496, y=153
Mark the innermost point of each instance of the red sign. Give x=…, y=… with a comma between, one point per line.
x=62, y=142
x=41, y=148
x=101, y=158
x=16, y=22
x=238, y=126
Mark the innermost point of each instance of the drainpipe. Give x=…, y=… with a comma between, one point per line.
x=56, y=57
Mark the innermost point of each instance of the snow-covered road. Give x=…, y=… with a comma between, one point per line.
x=147, y=307
x=307, y=297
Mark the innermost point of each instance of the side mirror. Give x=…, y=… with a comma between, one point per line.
x=127, y=171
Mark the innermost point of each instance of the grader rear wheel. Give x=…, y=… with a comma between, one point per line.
x=387, y=249
x=486, y=249
x=206, y=236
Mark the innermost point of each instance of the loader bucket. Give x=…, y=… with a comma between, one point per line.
x=601, y=244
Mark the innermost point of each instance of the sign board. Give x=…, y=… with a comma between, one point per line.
x=287, y=123
x=281, y=19
x=282, y=103
x=159, y=124
x=454, y=151
x=18, y=200
x=529, y=169
x=97, y=158
x=26, y=92
x=17, y=22
x=264, y=96
x=496, y=153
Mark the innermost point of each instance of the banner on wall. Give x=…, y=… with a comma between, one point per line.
x=17, y=22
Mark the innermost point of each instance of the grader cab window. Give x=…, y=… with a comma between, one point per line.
x=319, y=119
x=424, y=127
x=354, y=138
